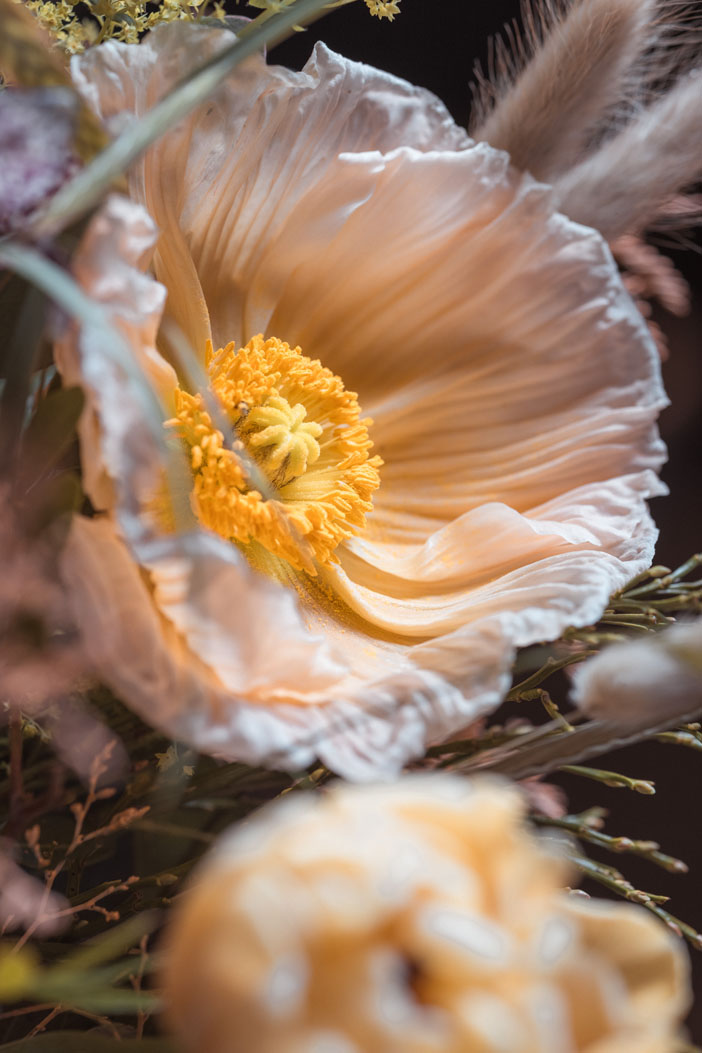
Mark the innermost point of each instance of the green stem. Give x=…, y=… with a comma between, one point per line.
x=614, y=881
x=612, y=779
x=649, y=850
x=62, y=288
x=681, y=738
x=663, y=582
x=644, y=575
x=551, y=665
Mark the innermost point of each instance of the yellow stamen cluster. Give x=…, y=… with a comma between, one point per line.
x=294, y=422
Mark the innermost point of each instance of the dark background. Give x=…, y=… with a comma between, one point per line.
x=435, y=43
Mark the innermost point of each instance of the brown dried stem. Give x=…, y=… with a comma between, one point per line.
x=80, y=812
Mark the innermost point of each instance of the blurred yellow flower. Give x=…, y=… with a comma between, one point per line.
x=333, y=246
x=418, y=918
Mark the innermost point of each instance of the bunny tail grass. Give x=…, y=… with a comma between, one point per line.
x=623, y=186
x=571, y=69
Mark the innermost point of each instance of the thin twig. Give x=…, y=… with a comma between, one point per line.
x=136, y=981
x=42, y=1025
x=16, y=779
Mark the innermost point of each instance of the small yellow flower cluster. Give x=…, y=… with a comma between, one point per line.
x=384, y=8
x=379, y=8
x=125, y=20
x=128, y=20
x=170, y=761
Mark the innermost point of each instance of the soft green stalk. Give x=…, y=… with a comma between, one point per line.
x=612, y=779
x=583, y=828
x=550, y=666
x=61, y=287
x=614, y=881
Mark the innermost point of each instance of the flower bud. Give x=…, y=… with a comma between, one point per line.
x=651, y=681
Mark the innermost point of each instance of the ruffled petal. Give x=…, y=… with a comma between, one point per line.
x=360, y=727
x=537, y=573
x=222, y=184
x=646, y=957
x=490, y=339
x=116, y=442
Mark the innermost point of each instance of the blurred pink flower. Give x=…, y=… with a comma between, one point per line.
x=37, y=129
x=24, y=901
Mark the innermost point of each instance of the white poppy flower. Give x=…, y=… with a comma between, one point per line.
x=355, y=610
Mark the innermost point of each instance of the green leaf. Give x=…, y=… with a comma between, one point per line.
x=13, y=291
x=60, y=496
x=57, y=284
x=50, y=432
x=85, y=979
x=19, y=356
x=113, y=1002
x=61, y=287
x=18, y=971
x=87, y=1042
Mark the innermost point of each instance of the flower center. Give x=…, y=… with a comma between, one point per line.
x=283, y=440
x=296, y=426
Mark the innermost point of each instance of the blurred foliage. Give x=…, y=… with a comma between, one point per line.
x=119, y=851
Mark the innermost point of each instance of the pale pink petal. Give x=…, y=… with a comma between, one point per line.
x=115, y=440
x=223, y=183
x=361, y=728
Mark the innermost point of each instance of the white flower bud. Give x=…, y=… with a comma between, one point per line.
x=651, y=681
